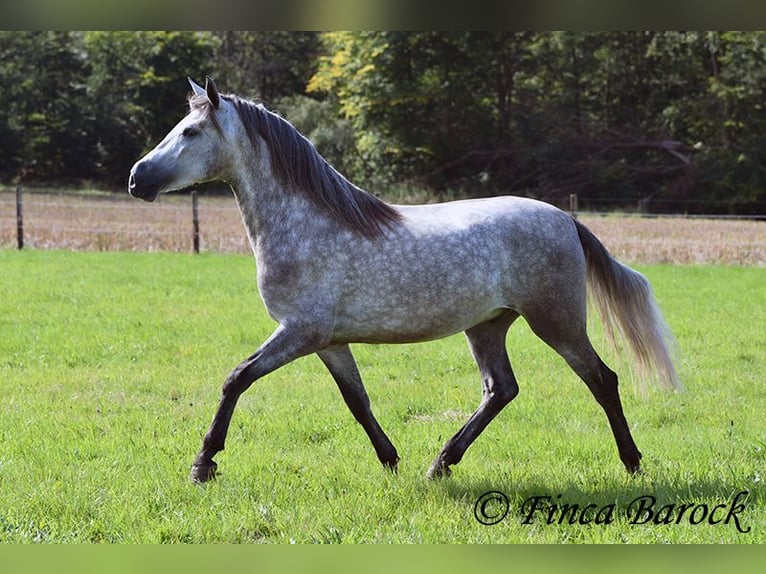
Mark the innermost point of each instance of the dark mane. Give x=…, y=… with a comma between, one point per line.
x=298, y=166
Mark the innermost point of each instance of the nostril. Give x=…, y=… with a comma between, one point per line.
x=142, y=183
x=132, y=190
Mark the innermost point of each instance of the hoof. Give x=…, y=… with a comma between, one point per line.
x=438, y=471
x=634, y=466
x=203, y=472
x=392, y=467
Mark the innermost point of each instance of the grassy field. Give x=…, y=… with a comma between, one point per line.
x=111, y=366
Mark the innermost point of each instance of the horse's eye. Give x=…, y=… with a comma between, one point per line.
x=190, y=132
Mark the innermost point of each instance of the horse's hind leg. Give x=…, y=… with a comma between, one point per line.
x=499, y=387
x=570, y=340
x=340, y=362
x=604, y=389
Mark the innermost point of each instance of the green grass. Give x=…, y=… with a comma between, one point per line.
x=111, y=366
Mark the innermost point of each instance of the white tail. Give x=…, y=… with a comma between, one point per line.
x=629, y=312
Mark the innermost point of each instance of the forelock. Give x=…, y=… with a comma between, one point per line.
x=202, y=103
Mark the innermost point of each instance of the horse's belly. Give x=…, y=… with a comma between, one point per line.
x=392, y=329
x=394, y=313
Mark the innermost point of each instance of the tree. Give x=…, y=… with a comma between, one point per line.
x=46, y=125
x=136, y=86
x=432, y=105
x=618, y=117
x=16, y=80
x=623, y=117
x=267, y=65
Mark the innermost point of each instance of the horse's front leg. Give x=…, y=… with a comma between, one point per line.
x=286, y=344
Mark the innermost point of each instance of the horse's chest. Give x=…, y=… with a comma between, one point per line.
x=290, y=285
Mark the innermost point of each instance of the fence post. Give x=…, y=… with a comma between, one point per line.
x=573, y=204
x=19, y=218
x=195, y=220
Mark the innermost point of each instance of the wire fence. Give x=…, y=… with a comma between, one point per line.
x=210, y=222
x=120, y=223
x=679, y=208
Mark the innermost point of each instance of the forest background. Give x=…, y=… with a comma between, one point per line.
x=652, y=121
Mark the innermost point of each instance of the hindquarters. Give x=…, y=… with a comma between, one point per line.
x=555, y=307
x=573, y=262
x=557, y=313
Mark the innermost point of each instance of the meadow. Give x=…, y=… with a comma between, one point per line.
x=111, y=365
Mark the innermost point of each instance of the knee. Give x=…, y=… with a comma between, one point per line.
x=608, y=376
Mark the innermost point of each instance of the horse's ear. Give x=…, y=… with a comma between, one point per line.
x=212, y=92
x=196, y=88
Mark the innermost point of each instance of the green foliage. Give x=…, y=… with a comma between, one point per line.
x=427, y=105
x=45, y=127
x=266, y=65
x=622, y=116
x=84, y=106
x=112, y=364
x=662, y=118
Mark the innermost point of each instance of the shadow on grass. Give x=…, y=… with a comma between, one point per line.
x=636, y=500
x=665, y=488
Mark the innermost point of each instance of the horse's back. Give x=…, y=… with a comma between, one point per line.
x=524, y=236
x=455, y=211
x=503, y=216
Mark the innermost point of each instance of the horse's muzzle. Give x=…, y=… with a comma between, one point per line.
x=138, y=186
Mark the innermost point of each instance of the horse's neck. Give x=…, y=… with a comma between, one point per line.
x=276, y=218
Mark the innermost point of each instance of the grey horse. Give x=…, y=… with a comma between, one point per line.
x=336, y=265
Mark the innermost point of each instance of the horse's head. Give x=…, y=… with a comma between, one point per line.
x=191, y=153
